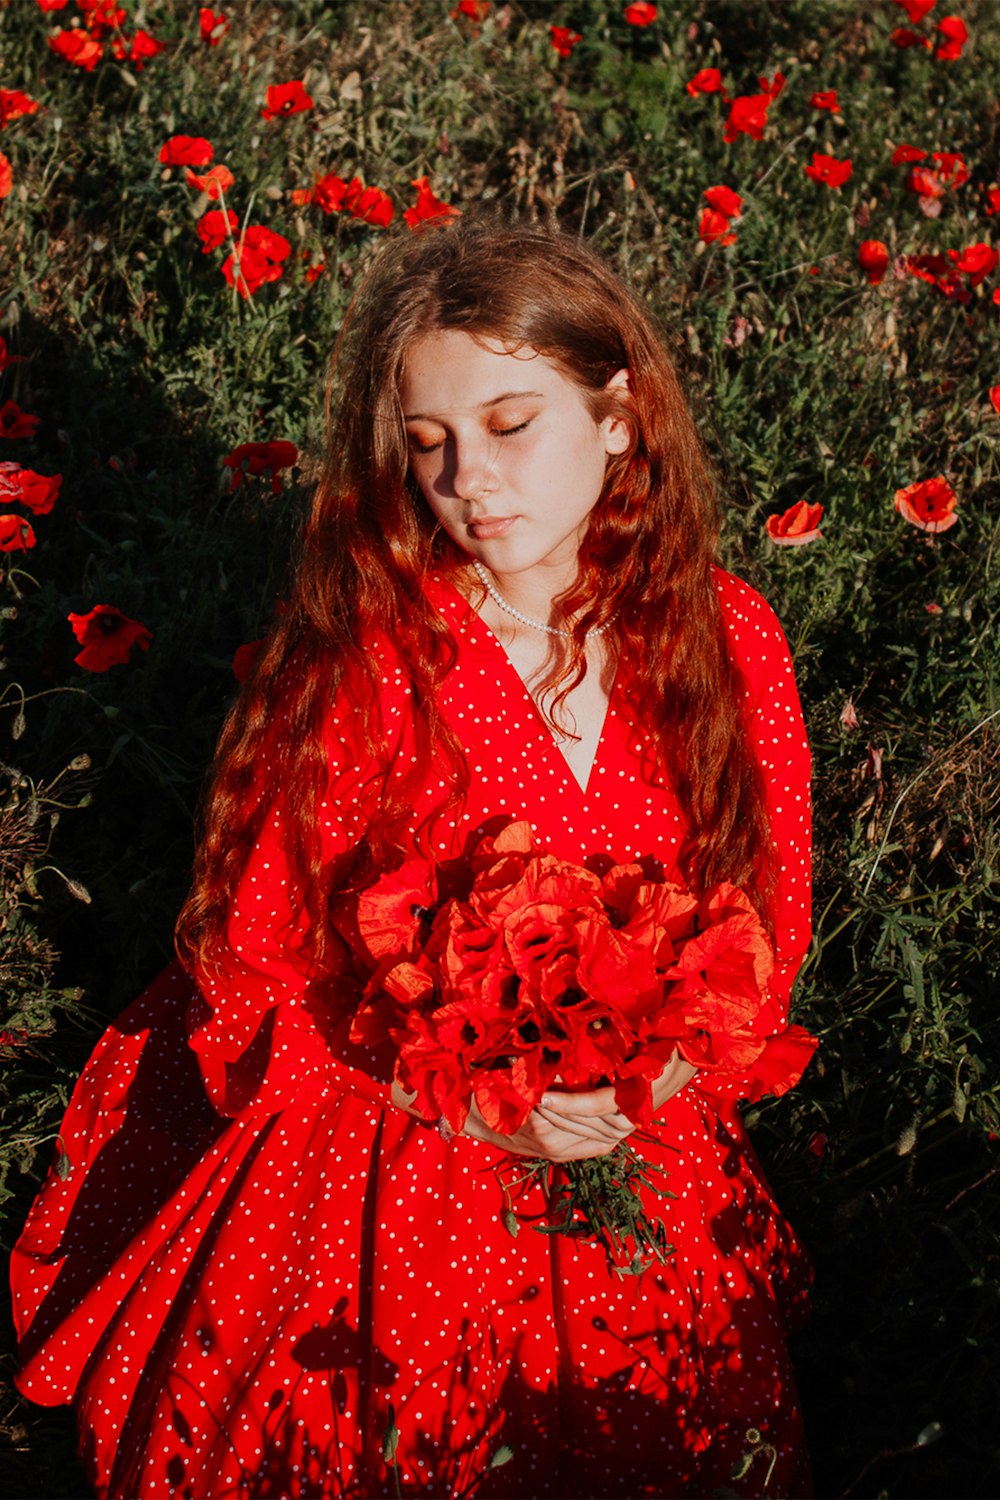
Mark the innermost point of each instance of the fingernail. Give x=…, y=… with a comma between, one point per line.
x=547, y=1101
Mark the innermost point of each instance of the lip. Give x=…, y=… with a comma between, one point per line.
x=486, y=527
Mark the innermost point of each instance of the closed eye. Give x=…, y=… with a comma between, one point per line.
x=501, y=432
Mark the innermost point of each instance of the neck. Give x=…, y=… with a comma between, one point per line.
x=520, y=620
x=532, y=594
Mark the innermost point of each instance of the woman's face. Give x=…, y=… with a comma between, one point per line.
x=505, y=451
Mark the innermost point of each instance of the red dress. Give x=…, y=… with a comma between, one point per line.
x=253, y=1254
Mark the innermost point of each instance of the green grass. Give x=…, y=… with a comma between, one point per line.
x=809, y=383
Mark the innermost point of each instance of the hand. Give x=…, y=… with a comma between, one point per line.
x=566, y=1126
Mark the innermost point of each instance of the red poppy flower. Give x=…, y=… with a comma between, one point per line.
x=214, y=182
x=370, y=204
x=474, y=10
x=714, y=227
x=724, y=200
x=6, y=176
x=926, y=183
x=975, y=261
x=904, y=154
x=748, y=112
x=724, y=206
x=212, y=25
x=829, y=170
x=992, y=201
x=564, y=40
x=214, y=228
x=427, y=208
x=927, y=268
x=945, y=170
x=286, y=99
x=102, y=16
x=995, y=398
x=721, y=972
x=14, y=104
x=107, y=637
x=640, y=14
x=302, y=196
x=904, y=37
x=78, y=48
x=929, y=504
x=8, y=359
x=705, y=81
x=916, y=9
x=142, y=48
x=186, y=151
x=873, y=258
x=796, y=526
x=262, y=254
x=329, y=192
x=16, y=534
x=747, y=116
x=779, y=1066
x=956, y=34
x=48, y=5
x=15, y=423
x=266, y=459
x=951, y=167
x=313, y=273
x=38, y=492
x=825, y=100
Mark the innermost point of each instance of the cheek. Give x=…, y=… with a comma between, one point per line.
x=423, y=472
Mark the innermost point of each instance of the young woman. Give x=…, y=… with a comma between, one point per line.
x=505, y=607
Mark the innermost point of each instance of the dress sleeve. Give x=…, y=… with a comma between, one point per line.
x=261, y=1027
x=760, y=650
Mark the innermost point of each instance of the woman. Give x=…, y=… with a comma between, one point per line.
x=505, y=607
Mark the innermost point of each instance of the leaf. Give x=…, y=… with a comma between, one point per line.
x=390, y=1439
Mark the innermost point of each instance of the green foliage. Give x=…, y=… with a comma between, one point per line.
x=146, y=369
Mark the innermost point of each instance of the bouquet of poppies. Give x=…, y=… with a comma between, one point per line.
x=511, y=972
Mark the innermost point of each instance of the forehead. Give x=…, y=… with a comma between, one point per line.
x=449, y=369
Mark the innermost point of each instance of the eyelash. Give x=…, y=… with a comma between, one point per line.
x=502, y=432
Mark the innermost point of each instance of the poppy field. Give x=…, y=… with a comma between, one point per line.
x=808, y=194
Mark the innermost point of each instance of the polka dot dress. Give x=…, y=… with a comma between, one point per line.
x=254, y=1254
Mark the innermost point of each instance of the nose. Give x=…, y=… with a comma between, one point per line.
x=473, y=473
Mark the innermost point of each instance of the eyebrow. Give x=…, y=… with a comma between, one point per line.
x=420, y=416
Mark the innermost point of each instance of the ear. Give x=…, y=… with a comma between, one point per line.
x=617, y=432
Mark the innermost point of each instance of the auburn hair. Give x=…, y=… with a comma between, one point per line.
x=645, y=572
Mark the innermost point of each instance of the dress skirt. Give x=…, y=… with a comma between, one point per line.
x=234, y=1304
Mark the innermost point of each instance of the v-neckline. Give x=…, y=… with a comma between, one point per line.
x=478, y=630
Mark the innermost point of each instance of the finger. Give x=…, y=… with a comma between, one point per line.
x=593, y=1102
x=608, y=1127
x=585, y=1151
x=591, y=1129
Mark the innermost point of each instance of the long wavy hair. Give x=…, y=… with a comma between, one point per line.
x=645, y=570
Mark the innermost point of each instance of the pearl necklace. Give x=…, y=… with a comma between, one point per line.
x=498, y=599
